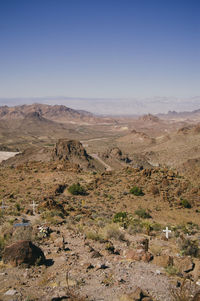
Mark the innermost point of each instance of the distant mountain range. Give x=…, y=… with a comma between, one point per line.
x=25, y=125
x=42, y=112
x=115, y=106
x=194, y=115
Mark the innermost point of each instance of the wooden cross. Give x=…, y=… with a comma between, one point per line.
x=167, y=231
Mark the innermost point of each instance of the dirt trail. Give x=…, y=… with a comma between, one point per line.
x=95, y=156
x=7, y=155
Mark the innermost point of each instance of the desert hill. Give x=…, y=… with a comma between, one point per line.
x=65, y=154
x=118, y=159
x=40, y=125
x=136, y=140
x=149, y=118
x=173, y=115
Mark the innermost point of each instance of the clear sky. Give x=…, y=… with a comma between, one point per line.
x=99, y=48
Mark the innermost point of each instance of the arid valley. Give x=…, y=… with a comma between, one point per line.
x=87, y=202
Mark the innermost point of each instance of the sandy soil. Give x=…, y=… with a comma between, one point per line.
x=7, y=155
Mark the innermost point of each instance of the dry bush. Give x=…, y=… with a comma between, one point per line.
x=154, y=190
x=113, y=231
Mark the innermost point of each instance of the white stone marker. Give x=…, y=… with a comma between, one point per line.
x=167, y=231
x=34, y=205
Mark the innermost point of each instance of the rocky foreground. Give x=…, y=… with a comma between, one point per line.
x=70, y=233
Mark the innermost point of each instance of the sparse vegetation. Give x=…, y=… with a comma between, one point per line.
x=136, y=191
x=142, y=213
x=171, y=270
x=102, y=214
x=77, y=189
x=189, y=247
x=186, y=204
x=113, y=231
x=2, y=245
x=120, y=217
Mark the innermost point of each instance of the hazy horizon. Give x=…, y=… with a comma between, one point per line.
x=108, y=106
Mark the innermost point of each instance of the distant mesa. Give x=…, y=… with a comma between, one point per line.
x=149, y=117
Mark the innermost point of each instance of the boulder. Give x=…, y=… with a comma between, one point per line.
x=23, y=252
x=163, y=261
x=137, y=295
x=196, y=272
x=138, y=255
x=183, y=265
x=142, y=243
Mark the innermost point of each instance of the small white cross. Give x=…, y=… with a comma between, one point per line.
x=34, y=205
x=167, y=231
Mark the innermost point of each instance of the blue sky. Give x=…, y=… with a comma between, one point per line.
x=99, y=49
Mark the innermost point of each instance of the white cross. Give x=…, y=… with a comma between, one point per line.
x=167, y=231
x=34, y=205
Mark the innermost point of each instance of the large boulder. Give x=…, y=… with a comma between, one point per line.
x=137, y=295
x=138, y=255
x=163, y=260
x=183, y=265
x=23, y=252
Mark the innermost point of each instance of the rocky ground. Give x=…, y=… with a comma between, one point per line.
x=103, y=242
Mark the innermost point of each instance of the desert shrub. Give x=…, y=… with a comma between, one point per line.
x=147, y=226
x=136, y=191
x=94, y=236
x=156, y=226
x=113, y=231
x=77, y=189
x=17, y=206
x=154, y=190
x=2, y=245
x=142, y=213
x=135, y=227
x=186, y=204
x=124, y=219
x=189, y=247
x=171, y=270
x=120, y=217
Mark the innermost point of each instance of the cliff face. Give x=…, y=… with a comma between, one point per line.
x=68, y=150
